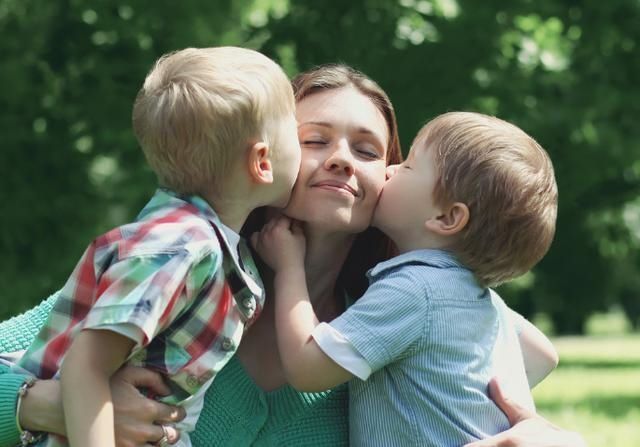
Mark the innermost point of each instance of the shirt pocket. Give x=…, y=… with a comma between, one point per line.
x=163, y=355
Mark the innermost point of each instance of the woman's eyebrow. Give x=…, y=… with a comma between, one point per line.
x=374, y=135
x=328, y=125
x=367, y=131
x=316, y=123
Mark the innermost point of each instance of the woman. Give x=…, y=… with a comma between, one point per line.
x=348, y=136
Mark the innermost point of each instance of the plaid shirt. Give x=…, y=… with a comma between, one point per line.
x=170, y=277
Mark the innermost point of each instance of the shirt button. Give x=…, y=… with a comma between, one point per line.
x=249, y=303
x=205, y=377
x=227, y=344
x=192, y=381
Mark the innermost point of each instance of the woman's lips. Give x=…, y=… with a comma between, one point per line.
x=336, y=186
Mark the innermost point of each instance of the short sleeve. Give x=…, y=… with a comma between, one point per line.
x=516, y=319
x=148, y=292
x=338, y=349
x=390, y=318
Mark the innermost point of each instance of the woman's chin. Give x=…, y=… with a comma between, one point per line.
x=342, y=221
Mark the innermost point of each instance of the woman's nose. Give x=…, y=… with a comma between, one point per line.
x=391, y=170
x=341, y=158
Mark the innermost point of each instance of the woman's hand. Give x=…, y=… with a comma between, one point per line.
x=281, y=243
x=41, y=408
x=527, y=428
x=138, y=420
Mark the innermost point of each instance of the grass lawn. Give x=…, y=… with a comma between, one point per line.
x=596, y=389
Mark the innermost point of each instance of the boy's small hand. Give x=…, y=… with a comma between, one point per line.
x=281, y=243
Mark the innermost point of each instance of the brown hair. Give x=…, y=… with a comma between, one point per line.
x=370, y=246
x=506, y=180
x=199, y=107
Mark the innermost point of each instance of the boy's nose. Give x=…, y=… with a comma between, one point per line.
x=391, y=170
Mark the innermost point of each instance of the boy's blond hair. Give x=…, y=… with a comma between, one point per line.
x=506, y=180
x=199, y=108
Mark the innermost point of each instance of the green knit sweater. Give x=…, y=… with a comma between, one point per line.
x=236, y=412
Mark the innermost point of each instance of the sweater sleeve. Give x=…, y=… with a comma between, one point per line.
x=15, y=335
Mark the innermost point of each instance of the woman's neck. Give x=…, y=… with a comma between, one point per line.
x=325, y=256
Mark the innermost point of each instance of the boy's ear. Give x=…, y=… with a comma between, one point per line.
x=451, y=221
x=259, y=163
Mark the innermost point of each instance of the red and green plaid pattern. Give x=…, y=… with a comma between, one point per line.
x=169, y=282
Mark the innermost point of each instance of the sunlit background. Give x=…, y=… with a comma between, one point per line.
x=565, y=71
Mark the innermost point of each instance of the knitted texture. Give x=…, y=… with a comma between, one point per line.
x=16, y=335
x=9, y=385
x=236, y=412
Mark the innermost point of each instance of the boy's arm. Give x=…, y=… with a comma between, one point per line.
x=92, y=359
x=281, y=245
x=540, y=357
x=306, y=366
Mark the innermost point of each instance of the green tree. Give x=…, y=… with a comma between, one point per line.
x=565, y=71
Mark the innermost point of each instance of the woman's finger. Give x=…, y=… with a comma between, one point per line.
x=142, y=378
x=168, y=430
x=495, y=441
x=514, y=412
x=173, y=434
x=169, y=414
x=154, y=434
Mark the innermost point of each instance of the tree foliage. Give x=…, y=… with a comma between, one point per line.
x=563, y=71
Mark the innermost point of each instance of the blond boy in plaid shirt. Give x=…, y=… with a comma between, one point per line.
x=175, y=289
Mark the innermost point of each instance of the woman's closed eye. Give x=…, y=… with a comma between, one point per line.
x=367, y=151
x=313, y=142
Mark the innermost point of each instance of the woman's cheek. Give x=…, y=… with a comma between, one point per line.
x=381, y=179
x=378, y=179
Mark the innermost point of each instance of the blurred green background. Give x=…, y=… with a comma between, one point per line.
x=565, y=71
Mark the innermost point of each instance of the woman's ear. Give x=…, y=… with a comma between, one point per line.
x=451, y=221
x=259, y=163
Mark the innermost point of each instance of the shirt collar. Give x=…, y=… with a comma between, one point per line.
x=250, y=287
x=166, y=198
x=232, y=237
x=430, y=257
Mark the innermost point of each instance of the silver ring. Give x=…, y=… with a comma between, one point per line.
x=164, y=441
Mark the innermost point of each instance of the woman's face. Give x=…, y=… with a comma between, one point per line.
x=344, y=140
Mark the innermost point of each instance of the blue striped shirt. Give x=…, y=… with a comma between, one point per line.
x=433, y=339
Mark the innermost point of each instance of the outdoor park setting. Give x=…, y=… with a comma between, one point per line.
x=565, y=71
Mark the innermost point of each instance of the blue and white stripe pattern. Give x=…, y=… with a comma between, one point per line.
x=431, y=335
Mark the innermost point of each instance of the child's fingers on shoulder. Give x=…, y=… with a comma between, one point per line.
x=296, y=228
x=283, y=221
